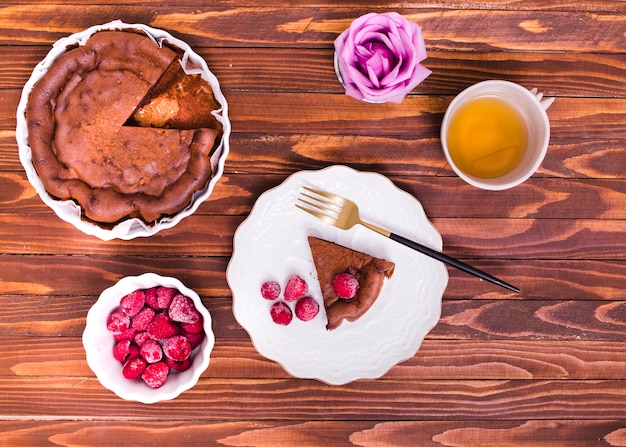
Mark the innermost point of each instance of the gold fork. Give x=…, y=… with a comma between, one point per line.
x=344, y=214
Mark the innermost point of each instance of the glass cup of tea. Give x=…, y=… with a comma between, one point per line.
x=495, y=134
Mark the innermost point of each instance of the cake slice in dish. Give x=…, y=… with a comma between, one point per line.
x=330, y=260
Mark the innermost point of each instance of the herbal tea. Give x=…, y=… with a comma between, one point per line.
x=487, y=137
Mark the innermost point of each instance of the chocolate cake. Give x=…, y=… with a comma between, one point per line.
x=331, y=260
x=90, y=145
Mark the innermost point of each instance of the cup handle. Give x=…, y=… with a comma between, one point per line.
x=545, y=102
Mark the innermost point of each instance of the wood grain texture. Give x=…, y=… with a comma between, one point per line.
x=544, y=367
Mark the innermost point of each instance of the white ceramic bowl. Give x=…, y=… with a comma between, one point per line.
x=68, y=210
x=98, y=343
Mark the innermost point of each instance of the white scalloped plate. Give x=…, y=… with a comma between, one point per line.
x=68, y=210
x=271, y=244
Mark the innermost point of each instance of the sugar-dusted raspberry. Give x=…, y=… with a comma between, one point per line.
x=142, y=319
x=281, y=313
x=307, y=308
x=270, y=290
x=133, y=351
x=183, y=310
x=121, y=350
x=162, y=327
x=133, y=302
x=179, y=366
x=195, y=338
x=126, y=334
x=141, y=337
x=296, y=288
x=133, y=368
x=118, y=322
x=194, y=328
x=151, y=297
x=345, y=286
x=165, y=295
x=151, y=351
x=177, y=348
x=155, y=374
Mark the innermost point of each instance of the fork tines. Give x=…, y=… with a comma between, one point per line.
x=319, y=204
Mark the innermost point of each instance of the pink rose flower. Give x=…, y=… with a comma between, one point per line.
x=378, y=57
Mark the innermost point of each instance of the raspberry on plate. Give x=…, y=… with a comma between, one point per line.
x=307, y=308
x=270, y=290
x=121, y=350
x=155, y=374
x=118, y=322
x=151, y=351
x=142, y=319
x=281, y=313
x=162, y=327
x=165, y=295
x=296, y=288
x=345, y=286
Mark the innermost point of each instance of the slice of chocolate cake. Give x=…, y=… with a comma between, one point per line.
x=331, y=260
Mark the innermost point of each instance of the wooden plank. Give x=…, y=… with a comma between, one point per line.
x=437, y=359
x=255, y=433
x=458, y=30
x=273, y=69
x=293, y=399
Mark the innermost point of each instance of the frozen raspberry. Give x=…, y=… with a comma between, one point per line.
x=296, y=288
x=161, y=327
x=151, y=297
x=307, y=308
x=165, y=295
x=133, y=368
x=195, y=338
x=177, y=348
x=126, y=334
x=151, y=351
x=270, y=290
x=281, y=313
x=183, y=310
x=155, y=374
x=141, y=337
x=121, y=350
x=142, y=319
x=133, y=302
x=179, y=366
x=118, y=322
x=133, y=351
x=194, y=328
x=345, y=286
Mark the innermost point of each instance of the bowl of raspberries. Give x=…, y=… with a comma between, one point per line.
x=148, y=338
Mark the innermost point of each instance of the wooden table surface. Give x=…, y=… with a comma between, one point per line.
x=546, y=367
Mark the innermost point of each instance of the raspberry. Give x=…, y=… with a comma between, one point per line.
x=281, y=313
x=195, y=338
x=118, y=322
x=183, y=310
x=161, y=327
x=142, y=319
x=194, y=328
x=133, y=351
x=307, y=308
x=151, y=297
x=151, y=351
x=155, y=374
x=345, y=286
x=121, y=350
x=126, y=334
x=133, y=302
x=177, y=348
x=133, y=368
x=141, y=337
x=296, y=288
x=165, y=295
x=179, y=366
x=270, y=290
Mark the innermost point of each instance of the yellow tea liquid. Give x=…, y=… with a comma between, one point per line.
x=487, y=137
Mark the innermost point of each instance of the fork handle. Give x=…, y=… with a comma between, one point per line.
x=451, y=261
